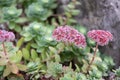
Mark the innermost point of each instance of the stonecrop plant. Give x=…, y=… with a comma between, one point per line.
x=6, y=55
x=47, y=64
x=101, y=38
x=39, y=43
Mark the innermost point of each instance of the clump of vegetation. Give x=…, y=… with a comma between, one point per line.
x=44, y=45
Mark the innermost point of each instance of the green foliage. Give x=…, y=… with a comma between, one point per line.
x=17, y=57
x=48, y=3
x=45, y=52
x=96, y=74
x=36, y=54
x=32, y=31
x=9, y=48
x=54, y=69
x=102, y=66
x=70, y=11
x=109, y=61
x=10, y=60
x=26, y=54
x=67, y=77
x=11, y=13
x=37, y=11
x=1, y=70
x=69, y=74
x=117, y=72
x=6, y=2
x=40, y=35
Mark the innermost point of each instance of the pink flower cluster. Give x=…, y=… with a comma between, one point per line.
x=6, y=36
x=69, y=35
x=100, y=36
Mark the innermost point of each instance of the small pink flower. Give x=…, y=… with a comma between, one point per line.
x=6, y=36
x=11, y=36
x=70, y=35
x=100, y=36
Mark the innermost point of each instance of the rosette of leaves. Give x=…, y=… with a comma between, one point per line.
x=117, y=72
x=32, y=31
x=6, y=2
x=43, y=42
x=34, y=69
x=80, y=76
x=36, y=10
x=74, y=76
x=50, y=4
x=95, y=74
x=109, y=61
x=67, y=77
x=102, y=66
x=54, y=69
x=11, y=13
x=40, y=35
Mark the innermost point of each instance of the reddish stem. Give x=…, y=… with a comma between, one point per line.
x=4, y=49
x=93, y=58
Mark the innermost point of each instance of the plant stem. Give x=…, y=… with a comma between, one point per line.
x=4, y=49
x=93, y=58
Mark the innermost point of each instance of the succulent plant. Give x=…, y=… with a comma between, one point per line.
x=102, y=66
x=11, y=13
x=117, y=72
x=67, y=77
x=54, y=69
x=36, y=10
x=80, y=76
x=95, y=74
x=33, y=30
x=43, y=56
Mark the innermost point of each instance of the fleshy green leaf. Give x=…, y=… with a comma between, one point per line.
x=20, y=42
x=17, y=57
x=22, y=67
x=21, y=20
x=34, y=54
x=26, y=54
x=57, y=58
